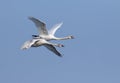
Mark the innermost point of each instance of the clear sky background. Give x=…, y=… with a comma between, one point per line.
x=92, y=57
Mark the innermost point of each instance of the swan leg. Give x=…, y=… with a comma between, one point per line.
x=35, y=35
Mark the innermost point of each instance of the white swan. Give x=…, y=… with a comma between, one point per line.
x=40, y=42
x=47, y=35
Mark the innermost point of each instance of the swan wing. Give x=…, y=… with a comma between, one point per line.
x=40, y=25
x=28, y=44
x=54, y=28
x=53, y=49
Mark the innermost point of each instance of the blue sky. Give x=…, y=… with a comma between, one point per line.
x=92, y=57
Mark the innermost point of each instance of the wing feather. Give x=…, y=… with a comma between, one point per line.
x=53, y=49
x=40, y=25
x=54, y=28
x=28, y=44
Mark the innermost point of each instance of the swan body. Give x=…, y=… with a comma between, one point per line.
x=41, y=42
x=47, y=35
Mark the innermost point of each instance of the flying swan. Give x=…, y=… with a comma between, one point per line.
x=42, y=42
x=47, y=35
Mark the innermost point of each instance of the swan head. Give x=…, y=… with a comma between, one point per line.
x=71, y=37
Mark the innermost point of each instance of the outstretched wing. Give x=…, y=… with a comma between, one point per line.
x=53, y=49
x=28, y=44
x=54, y=28
x=40, y=25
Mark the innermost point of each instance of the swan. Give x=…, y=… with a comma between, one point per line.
x=47, y=35
x=42, y=42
